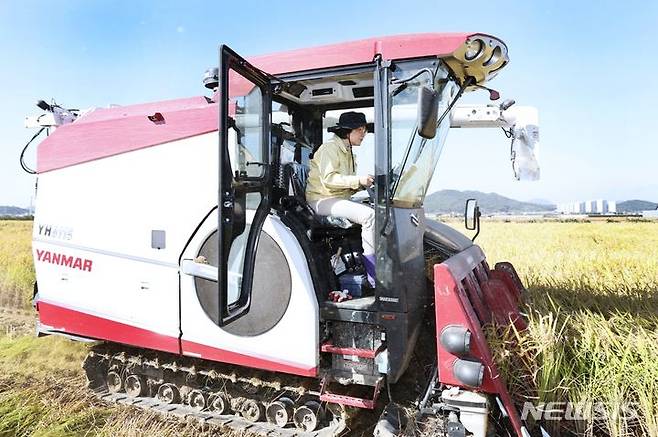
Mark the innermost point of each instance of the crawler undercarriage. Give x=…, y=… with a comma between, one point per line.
x=257, y=402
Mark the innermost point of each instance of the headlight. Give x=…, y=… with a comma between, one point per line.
x=473, y=49
x=495, y=56
x=468, y=372
x=456, y=339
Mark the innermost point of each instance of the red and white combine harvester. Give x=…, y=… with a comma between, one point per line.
x=176, y=236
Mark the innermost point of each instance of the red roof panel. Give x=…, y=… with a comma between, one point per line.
x=109, y=131
x=360, y=52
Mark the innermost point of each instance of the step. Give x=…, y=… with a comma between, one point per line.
x=329, y=347
x=350, y=401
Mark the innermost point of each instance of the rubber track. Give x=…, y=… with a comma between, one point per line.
x=336, y=427
x=234, y=422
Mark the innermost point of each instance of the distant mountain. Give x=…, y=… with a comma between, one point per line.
x=13, y=210
x=636, y=206
x=453, y=201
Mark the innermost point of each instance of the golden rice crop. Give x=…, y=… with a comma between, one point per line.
x=16, y=267
x=592, y=306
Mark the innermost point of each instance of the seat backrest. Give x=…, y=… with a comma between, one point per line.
x=297, y=176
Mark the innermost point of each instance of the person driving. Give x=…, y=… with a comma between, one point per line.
x=332, y=180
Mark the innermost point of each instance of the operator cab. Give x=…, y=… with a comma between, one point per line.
x=270, y=126
x=404, y=102
x=311, y=108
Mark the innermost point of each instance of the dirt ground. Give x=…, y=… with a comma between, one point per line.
x=16, y=322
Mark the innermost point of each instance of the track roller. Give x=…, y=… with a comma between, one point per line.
x=197, y=399
x=279, y=412
x=252, y=410
x=220, y=403
x=307, y=417
x=114, y=382
x=168, y=394
x=135, y=386
x=256, y=402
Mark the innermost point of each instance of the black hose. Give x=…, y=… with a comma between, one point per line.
x=22, y=159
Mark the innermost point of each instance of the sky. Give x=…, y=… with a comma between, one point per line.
x=588, y=67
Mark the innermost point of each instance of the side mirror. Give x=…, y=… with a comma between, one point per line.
x=470, y=214
x=472, y=217
x=428, y=108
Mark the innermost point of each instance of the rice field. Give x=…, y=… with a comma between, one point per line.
x=36, y=400
x=593, y=322
x=592, y=340
x=16, y=268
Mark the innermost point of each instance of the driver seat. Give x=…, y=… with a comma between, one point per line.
x=296, y=175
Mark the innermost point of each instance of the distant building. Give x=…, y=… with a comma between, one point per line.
x=599, y=206
x=612, y=207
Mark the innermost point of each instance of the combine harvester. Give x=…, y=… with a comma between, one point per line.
x=223, y=313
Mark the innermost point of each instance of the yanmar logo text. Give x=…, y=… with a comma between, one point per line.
x=64, y=260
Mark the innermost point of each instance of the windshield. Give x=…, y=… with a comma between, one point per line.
x=414, y=158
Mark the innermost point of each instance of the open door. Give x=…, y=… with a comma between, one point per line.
x=245, y=104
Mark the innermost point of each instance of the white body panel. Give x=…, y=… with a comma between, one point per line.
x=293, y=341
x=117, y=289
x=113, y=204
x=105, y=210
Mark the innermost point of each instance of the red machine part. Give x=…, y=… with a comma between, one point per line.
x=108, y=132
x=362, y=353
x=62, y=319
x=469, y=295
x=351, y=401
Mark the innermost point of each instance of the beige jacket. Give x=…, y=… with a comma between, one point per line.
x=332, y=172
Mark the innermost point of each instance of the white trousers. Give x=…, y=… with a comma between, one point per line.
x=354, y=212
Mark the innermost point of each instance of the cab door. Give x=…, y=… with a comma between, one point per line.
x=245, y=178
x=246, y=296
